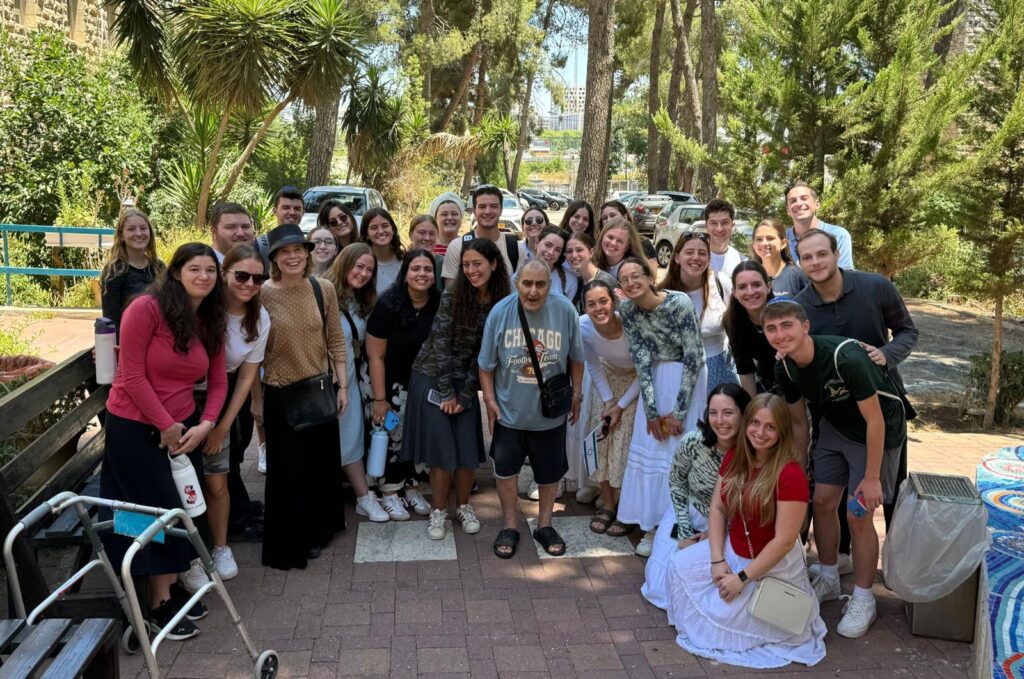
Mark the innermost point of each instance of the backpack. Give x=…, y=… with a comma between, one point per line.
x=511, y=246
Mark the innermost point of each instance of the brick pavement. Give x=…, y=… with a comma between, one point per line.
x=522, y=618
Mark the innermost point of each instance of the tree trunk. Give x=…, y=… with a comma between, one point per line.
x=321, y=146
x=655, y=179
x=478, y=116
x=211, y=170
x=592, y=180
x=997, y=356
x=524, y=109
x=709, y=45
x=236, y=169
x=683, y=111
x=426, y=21
x=460, y=91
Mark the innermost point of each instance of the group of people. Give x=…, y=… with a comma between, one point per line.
x=694, y=408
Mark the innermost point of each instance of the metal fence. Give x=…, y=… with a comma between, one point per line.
x=56, y=236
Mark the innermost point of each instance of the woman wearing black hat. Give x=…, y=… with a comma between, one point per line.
x=305, y=344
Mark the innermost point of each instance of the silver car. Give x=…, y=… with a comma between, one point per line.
x=357, y=199
x=686, y=217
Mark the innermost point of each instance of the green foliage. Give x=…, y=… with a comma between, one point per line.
x=373, y=126
x=1011, y=381
x=170, y=239
x=13, y=342
x=945, y=274
x=545, y=166
x=66, y=119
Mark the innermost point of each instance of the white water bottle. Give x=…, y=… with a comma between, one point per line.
x=187, y=483
x=106, y=358
x=378, y=452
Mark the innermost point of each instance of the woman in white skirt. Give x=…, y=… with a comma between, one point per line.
x=761, y=498
x=691, y=480
x=665, y=342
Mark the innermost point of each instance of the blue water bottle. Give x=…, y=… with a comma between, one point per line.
x=378, y=452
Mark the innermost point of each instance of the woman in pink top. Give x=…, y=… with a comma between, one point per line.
x=171, y=337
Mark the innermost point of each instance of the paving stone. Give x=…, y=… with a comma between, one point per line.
x=622, y=605
x=519, y=659
x=665, y=653
x=589, y=657
x=436, y=660
x=364, y=661
x=556, y=609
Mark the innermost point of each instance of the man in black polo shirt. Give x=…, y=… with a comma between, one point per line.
x=862, y=428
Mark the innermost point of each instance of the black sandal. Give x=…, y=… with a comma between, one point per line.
x=550, y=540
x=621, y=529
x=507, y=537
x=602, y=519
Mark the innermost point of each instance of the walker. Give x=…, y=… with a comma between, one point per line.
x=130, y=519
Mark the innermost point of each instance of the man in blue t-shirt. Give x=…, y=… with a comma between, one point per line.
x=508, y=381
x=802, y=206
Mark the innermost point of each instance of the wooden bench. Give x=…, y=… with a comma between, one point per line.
x=88, y=650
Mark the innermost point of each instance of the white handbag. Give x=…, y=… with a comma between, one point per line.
x=777, y=602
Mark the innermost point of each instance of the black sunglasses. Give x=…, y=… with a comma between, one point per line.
x=337, y=221
x=242, y=277
x=687, y=235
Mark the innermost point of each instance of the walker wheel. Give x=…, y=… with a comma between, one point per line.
x=266, y=665
x=129, y=642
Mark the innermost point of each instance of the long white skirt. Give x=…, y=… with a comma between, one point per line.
x=645, y=495
x=574, y=433
x=712, y=628
x=665, y=547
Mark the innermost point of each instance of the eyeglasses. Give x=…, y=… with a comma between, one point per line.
x=317, y=242
x=636, y=276
x=338, y=221
x=242, y=277
x=606, y=425
x=688, y=235
x=540, y=221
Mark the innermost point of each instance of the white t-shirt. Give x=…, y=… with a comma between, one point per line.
x=727, y=261
x=453, y=257
x=597, y=348
x=387, y=274
x=712, y=332
x=236, y=350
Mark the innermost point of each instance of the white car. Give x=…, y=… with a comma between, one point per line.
x=685, y=217
x=512, y=210
x=357, y=199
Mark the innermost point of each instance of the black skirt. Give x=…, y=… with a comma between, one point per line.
x=434, y=439
x=303, y=506
x=136, y=469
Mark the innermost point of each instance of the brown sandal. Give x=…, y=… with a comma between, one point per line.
x=601, y=520
x=619, y=529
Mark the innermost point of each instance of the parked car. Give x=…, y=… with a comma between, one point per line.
x=534, y=198
x=690, y=217
x=512, y=210
x=623, y=196
x=358, y=199
x=644, y=209
x=680, y=197
x=561, y=197
x=555, y=202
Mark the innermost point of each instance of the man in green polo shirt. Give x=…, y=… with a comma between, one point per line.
x=862, y=431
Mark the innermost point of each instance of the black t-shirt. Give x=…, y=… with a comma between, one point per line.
x=752, y=353
x=394, y=319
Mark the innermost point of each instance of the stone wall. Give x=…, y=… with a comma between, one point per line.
x=86, y=20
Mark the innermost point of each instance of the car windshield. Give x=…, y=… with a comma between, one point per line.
x=353, y=200
x=510, y=202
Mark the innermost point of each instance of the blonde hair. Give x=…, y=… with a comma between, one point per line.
x=117, y=258
x=758, y=496
x=634, y=246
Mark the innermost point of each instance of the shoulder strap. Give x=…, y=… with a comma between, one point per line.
x=882, y=394
x=529, y=345
x=323, y=316
x=351, y=324
x=718, y=284
x=512, y=247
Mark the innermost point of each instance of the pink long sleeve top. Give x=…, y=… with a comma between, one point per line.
x=154, y=383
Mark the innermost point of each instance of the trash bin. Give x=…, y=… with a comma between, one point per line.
x=933, y=551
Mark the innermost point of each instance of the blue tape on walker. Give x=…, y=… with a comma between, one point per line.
x=133, y=524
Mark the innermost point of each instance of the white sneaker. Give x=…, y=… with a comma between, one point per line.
x=393, y=505
x=587, y=494
x=826, y=588
x=369, y=506
x=417, y=502
x=467, y=519
x=195, y=577
x=225, y=562
x=845, y=564
x=436, y=524
x=261, y=460
x=534, y=493
x=646, y=544
x=858, y=614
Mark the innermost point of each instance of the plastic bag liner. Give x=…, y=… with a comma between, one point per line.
x=932, y=546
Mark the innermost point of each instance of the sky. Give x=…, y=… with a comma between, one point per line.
x=573, y=73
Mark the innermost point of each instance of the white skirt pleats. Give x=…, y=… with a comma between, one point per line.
x=665, y=546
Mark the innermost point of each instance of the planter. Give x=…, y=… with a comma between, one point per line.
x=22, y=368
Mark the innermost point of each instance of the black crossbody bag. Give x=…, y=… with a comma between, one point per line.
x=556, y=391
x=314, y=400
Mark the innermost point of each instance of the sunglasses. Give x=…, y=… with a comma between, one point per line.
x=688, y=235
x=606, y=425
x=534, y=220
x=242, y=277
x=338, y=221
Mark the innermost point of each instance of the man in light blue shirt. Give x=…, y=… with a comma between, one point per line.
x=802, y=206
x=512, y=395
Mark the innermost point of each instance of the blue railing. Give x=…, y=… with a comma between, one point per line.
x=61, y=232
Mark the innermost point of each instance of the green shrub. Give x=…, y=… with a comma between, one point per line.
x=941, y=277
x=1011, y=382
x=80, y=295
x=13, y=342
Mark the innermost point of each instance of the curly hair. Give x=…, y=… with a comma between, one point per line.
x=209, y=322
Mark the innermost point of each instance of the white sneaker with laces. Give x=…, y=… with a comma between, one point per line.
x=261, y=460
x=395, y=508
x=587, y=494
x=436, y=524
x=534, y=493
x=824, y=587
x=225, y=562
x=195, y=577
x=646, y=544
x=418, y=503
x=369, y=506
x=467, y=519
x=858, y=614
x=845, y=564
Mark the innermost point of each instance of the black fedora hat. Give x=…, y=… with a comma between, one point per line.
x=286, y=234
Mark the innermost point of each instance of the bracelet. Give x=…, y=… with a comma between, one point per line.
x=719, y=561
x=380, y=400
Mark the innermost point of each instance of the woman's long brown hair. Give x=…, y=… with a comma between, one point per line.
x=251, y=320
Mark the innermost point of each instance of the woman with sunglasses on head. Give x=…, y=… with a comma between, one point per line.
x=352, y=275
x=447, y=210
x=755, y=358
x=340, y=220
x=579, y=218
x=395, y=333
x=173, y=337
x=579, y=255
x=378, y=230
x=757, y=508
x=614, y=211
x=770, y=247
x=613, y=399
x=691, y=480
x=325, y=249
x=534, y=221
x=665, y=342
x=689, y=271
x=132, y=264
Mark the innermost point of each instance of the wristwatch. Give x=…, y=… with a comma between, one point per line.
x=742, y=575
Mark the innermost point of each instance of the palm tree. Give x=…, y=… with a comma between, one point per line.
x=499, y=132
x=373, y=125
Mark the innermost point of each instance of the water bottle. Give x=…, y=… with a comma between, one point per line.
x=106, y=359
x=187, y=483
x=378, y=452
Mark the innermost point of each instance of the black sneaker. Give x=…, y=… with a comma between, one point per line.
x=180, y=596
x=162, y=614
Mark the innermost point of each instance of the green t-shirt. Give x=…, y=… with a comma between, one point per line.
x=836, y=393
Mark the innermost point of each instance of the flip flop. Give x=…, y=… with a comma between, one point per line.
x=619, y=529
x=602, y=519
x=550, y=540
x=507, y=537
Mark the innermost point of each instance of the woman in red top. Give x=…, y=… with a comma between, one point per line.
x=171, y=338
x=761, y=496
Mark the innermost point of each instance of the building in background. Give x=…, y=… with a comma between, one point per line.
x=575, y=98
x=86, y=22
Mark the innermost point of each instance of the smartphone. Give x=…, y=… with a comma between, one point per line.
x=434, y=397
x=856, y=506
x=390, y=421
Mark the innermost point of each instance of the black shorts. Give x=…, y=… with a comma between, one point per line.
x=546, y=450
